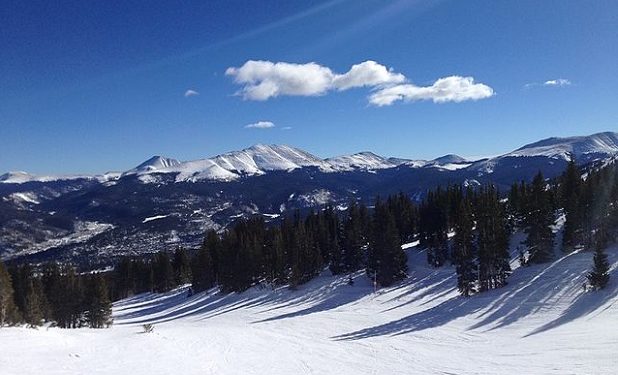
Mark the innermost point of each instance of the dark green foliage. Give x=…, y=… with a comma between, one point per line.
x=8, y=311
x=203, y=265
x=35, y=303
x=464, y=250
x=275, y=257
x=163, y=273
x=493, y=240
x=599, y=276
x=354, y=239
x=99, y=313
x=539, y=220
x=387, y=261
x=305, y=258
x=570, y=194
x=182, y=266
x=433, y=227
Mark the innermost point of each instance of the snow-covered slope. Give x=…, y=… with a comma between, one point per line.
x=585, y=147
x=20, y=177
x=155, y=163
x=362, y=160
x=542, y=322
x=255, y=160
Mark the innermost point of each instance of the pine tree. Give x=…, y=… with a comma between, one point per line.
x=99, y=313
x=539, y=220
x=387, y=262
x=599, y=276
x=434, y=227
x=493, y=240
x=275, y=256
x=203, y=269
x=33, y=310
x=354, y=240
x=163, y=273
x=182, y=266
x=126, y=277
x=570, y=201
x=464, y=250
x=8, y=311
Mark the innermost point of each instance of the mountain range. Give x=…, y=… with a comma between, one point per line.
x=164, y=202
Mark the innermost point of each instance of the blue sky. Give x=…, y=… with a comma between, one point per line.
x=101, y=85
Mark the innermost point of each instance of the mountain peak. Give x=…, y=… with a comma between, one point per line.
x=156, y=163
x=583, y=148
x=449, y=159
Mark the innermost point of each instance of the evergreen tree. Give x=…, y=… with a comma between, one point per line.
x=33, y=310
x=354, y=239
x=203, y=268
x=275, y=256
x=126, y=277
x=99, y=314
x=8, y=311
x=163, y=273
x=387, y=261
x=182, y=266
x=464, y=250
x=599, y=276
x=570, y=201
x=493, y=240
x=539, y=220
x=434, y=227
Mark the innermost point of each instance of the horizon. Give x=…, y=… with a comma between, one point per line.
x=90, y=88
x=468, y=158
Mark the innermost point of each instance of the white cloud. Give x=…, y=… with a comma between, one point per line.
x=368, y=73
x=557, y=82
x=260, y=125
x=449, y=89
x=189, y=93
x=262, y=80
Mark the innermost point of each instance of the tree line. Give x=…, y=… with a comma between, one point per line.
x=469, y=228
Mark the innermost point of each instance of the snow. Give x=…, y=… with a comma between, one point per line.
x=157, y=217
x=260, y=159
x=542, y=322
x=20, y=177
x=27, y=197
x=563, y=148
x=453, y=166
x=362, y=160
x=82, y=232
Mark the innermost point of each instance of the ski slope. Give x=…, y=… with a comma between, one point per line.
x=541, y=323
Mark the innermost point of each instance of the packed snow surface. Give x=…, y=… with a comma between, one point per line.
x=541, y=323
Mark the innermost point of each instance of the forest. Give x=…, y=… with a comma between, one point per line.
x=467, y=228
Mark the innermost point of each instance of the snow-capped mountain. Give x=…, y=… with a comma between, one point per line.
x=164, y=202
x=584, y=148
x=362, y=160
x=155, y=163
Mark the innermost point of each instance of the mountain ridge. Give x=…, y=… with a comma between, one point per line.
x=261, y=158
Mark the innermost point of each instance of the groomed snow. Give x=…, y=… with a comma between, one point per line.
x=541, y=323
